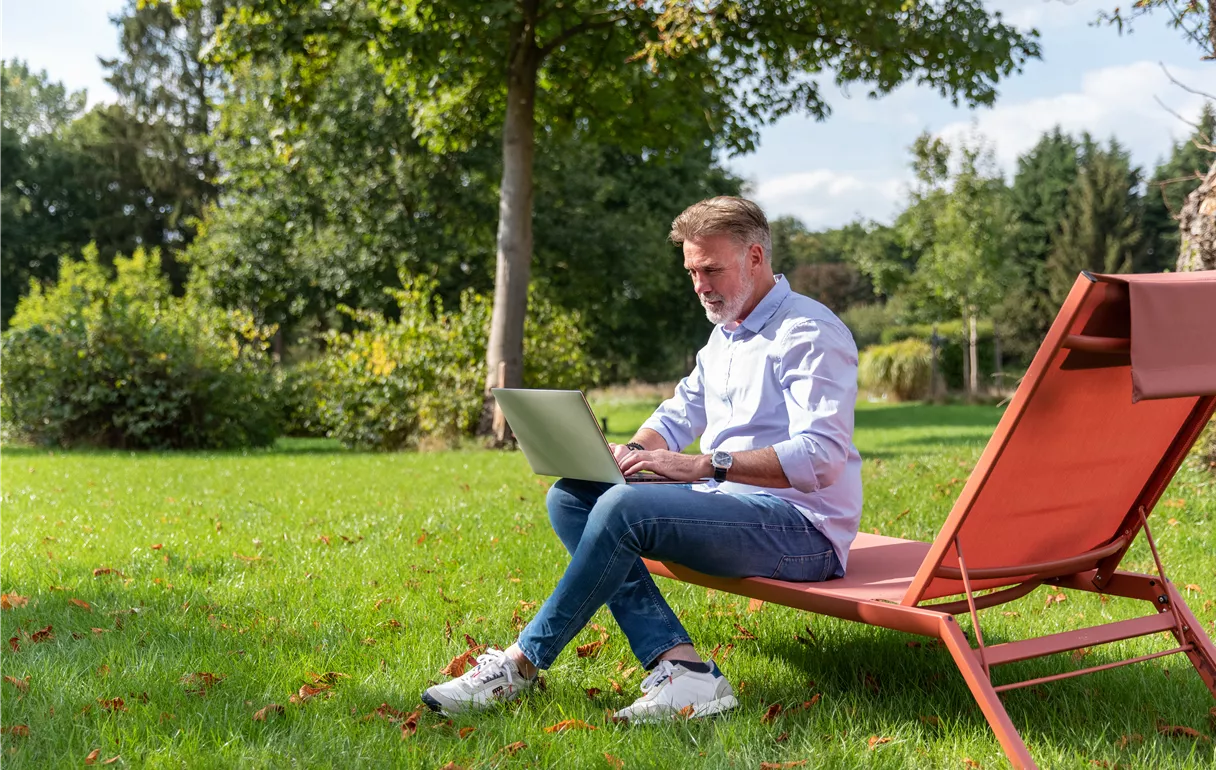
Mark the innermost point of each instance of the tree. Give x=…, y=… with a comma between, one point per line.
x=643, y=75
x=1172, y=183
x=961, y=221
x=1100, y=229
x=1196, y=20
x=169, y=89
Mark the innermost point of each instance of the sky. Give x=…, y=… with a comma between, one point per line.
x=854, y=164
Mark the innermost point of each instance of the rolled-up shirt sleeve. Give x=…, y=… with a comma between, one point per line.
x=818, y=374
x=681, y=418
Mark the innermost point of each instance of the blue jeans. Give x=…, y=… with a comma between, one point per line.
x=608, y=528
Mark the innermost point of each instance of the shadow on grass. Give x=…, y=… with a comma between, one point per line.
x=283, y=446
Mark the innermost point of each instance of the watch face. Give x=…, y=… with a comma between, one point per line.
x=721, y=459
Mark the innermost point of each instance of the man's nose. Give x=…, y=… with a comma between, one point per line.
x=700, y=285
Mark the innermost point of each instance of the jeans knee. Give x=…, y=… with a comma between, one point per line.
x=616, y=510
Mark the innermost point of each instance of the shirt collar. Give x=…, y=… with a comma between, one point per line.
x=767, y=306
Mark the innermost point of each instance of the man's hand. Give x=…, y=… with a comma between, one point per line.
x=673, y=465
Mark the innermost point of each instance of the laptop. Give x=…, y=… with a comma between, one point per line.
x=560, y=436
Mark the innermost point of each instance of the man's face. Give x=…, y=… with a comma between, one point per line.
x=721, y=275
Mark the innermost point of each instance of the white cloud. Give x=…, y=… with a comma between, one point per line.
x=822, y=197
x=1116, y=101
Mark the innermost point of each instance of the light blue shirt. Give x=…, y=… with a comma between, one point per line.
x=786, y=378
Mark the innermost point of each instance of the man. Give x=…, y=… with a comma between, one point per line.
x=772, y=398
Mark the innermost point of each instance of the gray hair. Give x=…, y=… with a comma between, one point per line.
x=725, y=215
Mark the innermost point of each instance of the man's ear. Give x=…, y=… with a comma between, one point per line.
x=755, y=255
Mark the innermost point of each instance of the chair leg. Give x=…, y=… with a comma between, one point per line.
x=1202, y=652
x=987, y=698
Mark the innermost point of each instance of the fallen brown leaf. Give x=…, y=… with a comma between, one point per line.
x=458, y=664
x=1181, y=731
x=876, y=741
x=452, y=766
x=782, y=765
x=112, y=704
x=1055, y=598
x=569, y=724
x=410, y=725
x=329, y=677
x=92, y=757
x=157, y=546
x=1194, y=587
x=14, y=644
x=21, y=731
x=744, y=633
x=1126, y=739
x=82, y=604
x=10, y=600
x=783, y=737
x=806, y=704
x=755, y=605
x=112, y=759
x=687, y=711
x=930, y=720
x=262, y=713
x=591, y=649
x=616, y=686
x=772, y=713
x=972, y=764
x=202, y=681
x=308, y=691
x=21, y=684
x=616, y=762
x=42, y=635
x=512, y=749
x=107, y=571
x=591, y=692
x=628, y=672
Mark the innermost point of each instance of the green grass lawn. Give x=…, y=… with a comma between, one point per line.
x=262, y=567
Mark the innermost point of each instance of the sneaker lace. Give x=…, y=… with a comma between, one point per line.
x=490, y=660
x=657, y=676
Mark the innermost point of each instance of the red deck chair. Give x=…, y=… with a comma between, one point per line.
x=1119, y=391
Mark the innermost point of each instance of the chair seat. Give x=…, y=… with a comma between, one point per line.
x=880, y=569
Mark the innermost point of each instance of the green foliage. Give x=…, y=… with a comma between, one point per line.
x=393, y=383
x=867, y=321
x=301, y=391
x=952, y=336
x=1172, y=182
x=120, y=362
x=901, y=369
x=1100, y=227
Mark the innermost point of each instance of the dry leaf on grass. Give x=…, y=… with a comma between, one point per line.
x=452, y=766
x=21, y=684
x=783, y=737
x=616, y=686
x=744, y=633
x=782, y=765
x=21, y=731
x=930, y=720
x=569, y=724
x=42, y=635
x=773, y=712
x=511, y=749
x=591, y=692
x=456, y=667
x=262, y=713
x=1124, y=740
x=202, y=682
x=14, y=644
x=972, y=764
x=1181, y=731
x=616, y=762
x=876, y=741
x=465, y=732
x=687, y=711
x=92, y=757
x=806, y=704
x=410, y=725
x=10, y=600
x=1194, y=587
x=755, y=605
x=1055, y=598
x=591, y=649
x=113, y=704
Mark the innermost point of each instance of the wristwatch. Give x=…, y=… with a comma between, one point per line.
x=635, y=446
x=721, y=461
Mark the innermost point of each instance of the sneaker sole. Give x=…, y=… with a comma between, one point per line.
x=432, y=703
x=705, y=710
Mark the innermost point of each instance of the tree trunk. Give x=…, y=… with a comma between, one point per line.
x=506, y=345
x=1197, y=223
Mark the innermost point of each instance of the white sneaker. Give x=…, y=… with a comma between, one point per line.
x=495, y=679
x=675, y=692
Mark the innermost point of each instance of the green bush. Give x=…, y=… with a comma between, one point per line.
x=95, y=361
x=301, y=389
x=394, y=383
x=901, y=369
x=867, y=323
x=953, y=348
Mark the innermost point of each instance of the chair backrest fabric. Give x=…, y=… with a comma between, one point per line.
x=1073, y=456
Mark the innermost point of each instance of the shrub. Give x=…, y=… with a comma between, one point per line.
x=301, y=389
x=120, y=362
x=901, y=369
x=953, y=348
x=394, y=383
x=867, y=322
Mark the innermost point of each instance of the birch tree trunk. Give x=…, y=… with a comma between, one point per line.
x=505, y=350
